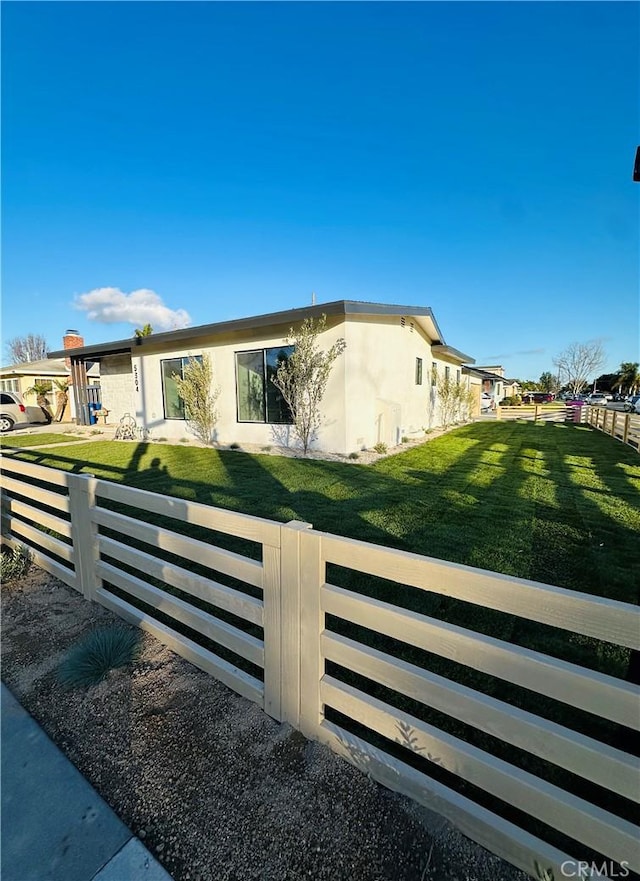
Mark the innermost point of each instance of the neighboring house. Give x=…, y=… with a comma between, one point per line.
x=382, y=388
x=22, y=377
x=494, y=382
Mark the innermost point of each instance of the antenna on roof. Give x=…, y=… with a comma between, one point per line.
x=313, y=298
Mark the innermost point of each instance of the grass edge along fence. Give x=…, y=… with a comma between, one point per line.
x=66, y=520
x=624, y=427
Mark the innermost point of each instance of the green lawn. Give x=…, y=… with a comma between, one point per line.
x=34, y=440
x=552, y=502
x=547, y=501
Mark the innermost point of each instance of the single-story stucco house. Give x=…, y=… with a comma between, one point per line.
x=382, y=388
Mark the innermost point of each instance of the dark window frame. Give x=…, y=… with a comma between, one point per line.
x=418, y=371
x=182, y=359
x=265, y=380
x=434, y=374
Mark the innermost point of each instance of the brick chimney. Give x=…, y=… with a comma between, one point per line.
x=71, y=340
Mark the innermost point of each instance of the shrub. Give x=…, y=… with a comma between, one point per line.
x=199, y=396
x=105, y=649
x=354, y=455
x=184, y=440
x=380, y=447
x=160, y=440
x=234, y=446
x=405, y=440
x=266, y=449
x=14, y=563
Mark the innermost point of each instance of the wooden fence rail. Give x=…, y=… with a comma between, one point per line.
x=265, y=622
x=624, y=427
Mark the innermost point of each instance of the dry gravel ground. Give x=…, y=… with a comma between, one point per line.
x=213, y=786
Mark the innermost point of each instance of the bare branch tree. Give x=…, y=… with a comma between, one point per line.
x=302, y=378
x=578, y=363
x=22, y=349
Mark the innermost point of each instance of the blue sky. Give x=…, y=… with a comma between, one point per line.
x=231, y=158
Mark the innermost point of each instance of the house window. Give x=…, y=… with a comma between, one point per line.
x=434, y=373
x=9, y=385
x=447, y=373
x=258, y=398
x=458, y=377
x=170, y=368
x=418, y=371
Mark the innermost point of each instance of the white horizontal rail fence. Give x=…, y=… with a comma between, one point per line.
x=92, y=551
x=624, y=427
x=604, y=696
x=36, y=512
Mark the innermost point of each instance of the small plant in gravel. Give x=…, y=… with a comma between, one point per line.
x=104, y=649
x=96, y=431
x=380, y=447
x=185, y=440
x=234, y=446
x=266, y=449
x=160, y=440
x=14, y=563
x=354, y=455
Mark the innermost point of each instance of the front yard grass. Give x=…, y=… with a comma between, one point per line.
x=547, y=501
x=34, y=440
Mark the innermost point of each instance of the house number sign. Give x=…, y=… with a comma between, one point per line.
x=135, y=377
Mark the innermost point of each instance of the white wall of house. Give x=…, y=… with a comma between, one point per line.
x=117, y=391
x=149, y=404
x=372, y=394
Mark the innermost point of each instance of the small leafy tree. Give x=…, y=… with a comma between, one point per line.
x=455, y=400
x=302, y=378
x=578, y=362
x=147, y=330
x=199, y=396
x=548, y=382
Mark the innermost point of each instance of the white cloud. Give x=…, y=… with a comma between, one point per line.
x=111, y=306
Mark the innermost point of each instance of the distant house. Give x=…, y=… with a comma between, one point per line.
x=22, y=377
x=495, y=383
x=383, y=387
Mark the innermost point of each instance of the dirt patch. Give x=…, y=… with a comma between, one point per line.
x=214, y=787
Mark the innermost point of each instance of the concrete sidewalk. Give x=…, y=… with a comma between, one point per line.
x=55, y=826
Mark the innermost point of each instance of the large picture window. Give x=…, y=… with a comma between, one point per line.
x=173, y=403
x=258, y=398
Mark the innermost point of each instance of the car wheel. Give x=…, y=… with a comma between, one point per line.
x=6, y=423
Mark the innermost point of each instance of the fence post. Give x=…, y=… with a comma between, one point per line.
x=272, y=626
x=535, y=414
x=84, y=532
x=613, y=423
x=312, y=577
x=290, y=645
x=625, y=431
x=498, y=412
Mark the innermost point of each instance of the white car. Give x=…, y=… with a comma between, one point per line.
x=598, y=399
x=14, y=412
x=486, y=402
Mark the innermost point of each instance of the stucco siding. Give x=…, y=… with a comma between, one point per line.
x=149, y=403
x=116, y=382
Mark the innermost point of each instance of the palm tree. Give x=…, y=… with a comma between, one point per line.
x=41, y=389
x=62, y=397
x=147, y=330
x=628, y=376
